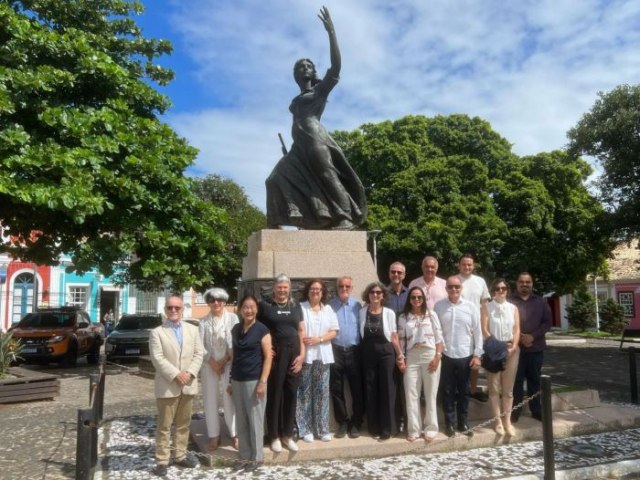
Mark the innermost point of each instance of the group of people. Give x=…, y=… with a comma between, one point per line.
x=282, y=362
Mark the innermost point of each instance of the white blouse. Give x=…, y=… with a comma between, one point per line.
x=215, y=333
x=317, y=324
x=501, y=320
x=422, y=329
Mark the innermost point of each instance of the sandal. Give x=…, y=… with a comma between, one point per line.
x=235, y=443
x=412, y=438
x=429, y=438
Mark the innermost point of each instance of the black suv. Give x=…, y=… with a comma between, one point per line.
x=59, y=334
x=130, y=338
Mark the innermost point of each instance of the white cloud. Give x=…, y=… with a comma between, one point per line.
x=530, y=68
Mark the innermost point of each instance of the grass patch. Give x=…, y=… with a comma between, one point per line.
x=574, y=332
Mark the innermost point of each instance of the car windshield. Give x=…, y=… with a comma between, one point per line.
x=48, y=319
x=138, y=323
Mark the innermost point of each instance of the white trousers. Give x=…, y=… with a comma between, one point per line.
x=417, y=377
x=212, y=384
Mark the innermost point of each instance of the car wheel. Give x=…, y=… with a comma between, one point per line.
x=71, y=358
x=93, y=356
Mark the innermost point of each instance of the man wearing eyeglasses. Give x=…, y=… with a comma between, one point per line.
x=397, y=291
x=176, y=352
x=432, y=286
x=460, y=321
x=476, y=291
x=347, y=362
x=396, y=302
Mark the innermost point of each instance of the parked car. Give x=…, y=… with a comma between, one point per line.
x=59, y=334
x=130, y=338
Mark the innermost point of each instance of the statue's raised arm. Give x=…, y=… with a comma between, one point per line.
x=313, y=186
x=336, y=61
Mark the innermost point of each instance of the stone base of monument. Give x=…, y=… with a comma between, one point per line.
x=306, y=254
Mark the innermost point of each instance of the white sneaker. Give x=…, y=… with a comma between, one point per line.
x=276, y=446
x=291, y=445
x=308, y=437
x=326, y=438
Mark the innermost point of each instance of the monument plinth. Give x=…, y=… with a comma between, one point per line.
x=306, y=254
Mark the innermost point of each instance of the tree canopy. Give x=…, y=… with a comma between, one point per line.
x=610, y=132
x=449, y=185
x=242, y=219
x=86, y=167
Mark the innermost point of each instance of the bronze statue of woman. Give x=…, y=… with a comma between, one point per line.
x=313, y=186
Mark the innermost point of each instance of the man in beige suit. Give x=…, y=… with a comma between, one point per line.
x=176, y=352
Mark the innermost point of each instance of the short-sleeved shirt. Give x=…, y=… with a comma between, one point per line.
x=316, y=324
x=474, y=289
x=397, y=301
x=247, y=352
x=282, y=321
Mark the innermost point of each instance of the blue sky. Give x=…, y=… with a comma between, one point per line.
x=529, y=67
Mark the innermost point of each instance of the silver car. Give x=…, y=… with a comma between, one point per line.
x=130, y=338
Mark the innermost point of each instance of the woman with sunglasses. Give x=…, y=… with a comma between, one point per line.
x=321, y=326
x=380, y=350
x=215, y=331
x=421, y=336
x=503, y=323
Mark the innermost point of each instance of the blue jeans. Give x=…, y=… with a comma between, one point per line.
x=529, y=369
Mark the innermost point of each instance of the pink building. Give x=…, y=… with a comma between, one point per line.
x=623, y=284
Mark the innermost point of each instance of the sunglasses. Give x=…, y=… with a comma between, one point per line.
x=396, y=272
x=500, y=289
x=376, y=292
x=416, y=297
x=173, y=308
x=344, y=286
x=454, y=287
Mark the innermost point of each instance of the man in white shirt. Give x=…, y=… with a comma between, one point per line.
x=475, y=290
x=460, y=321
x=432, y=286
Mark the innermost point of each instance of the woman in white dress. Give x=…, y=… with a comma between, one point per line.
x=215, y=331
x=503, y=323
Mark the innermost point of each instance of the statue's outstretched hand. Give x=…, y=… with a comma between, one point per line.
x=326, y=19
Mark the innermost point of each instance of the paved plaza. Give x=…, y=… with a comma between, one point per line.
x=39, y=438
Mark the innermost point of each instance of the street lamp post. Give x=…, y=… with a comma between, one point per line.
x=374, y=235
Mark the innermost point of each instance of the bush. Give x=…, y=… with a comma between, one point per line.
x=612, y=319
x=10, y=350
x=581, y=313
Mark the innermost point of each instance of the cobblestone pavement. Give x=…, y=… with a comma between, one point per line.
x=38, y=439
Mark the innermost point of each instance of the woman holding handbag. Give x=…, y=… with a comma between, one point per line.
x=503, y=323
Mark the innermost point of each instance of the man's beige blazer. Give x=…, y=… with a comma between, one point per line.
x=169, y=359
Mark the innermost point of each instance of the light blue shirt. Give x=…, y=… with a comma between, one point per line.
x=177, y=329
x=347, y=313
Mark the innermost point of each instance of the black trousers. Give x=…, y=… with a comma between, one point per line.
x=454, y=382
x=347, y=366
x=379, y=360
x=282, y=390
x=529, y=369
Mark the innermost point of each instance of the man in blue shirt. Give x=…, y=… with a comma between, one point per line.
x=396, y=301
x=347, y=363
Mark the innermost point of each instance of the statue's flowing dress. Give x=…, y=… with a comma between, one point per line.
x=297, y=194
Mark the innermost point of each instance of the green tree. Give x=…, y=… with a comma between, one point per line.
x=242, y=219
x=582, y=311
x=450, y=184
x=86, y=167
x=612, y=319
x=610, y=131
